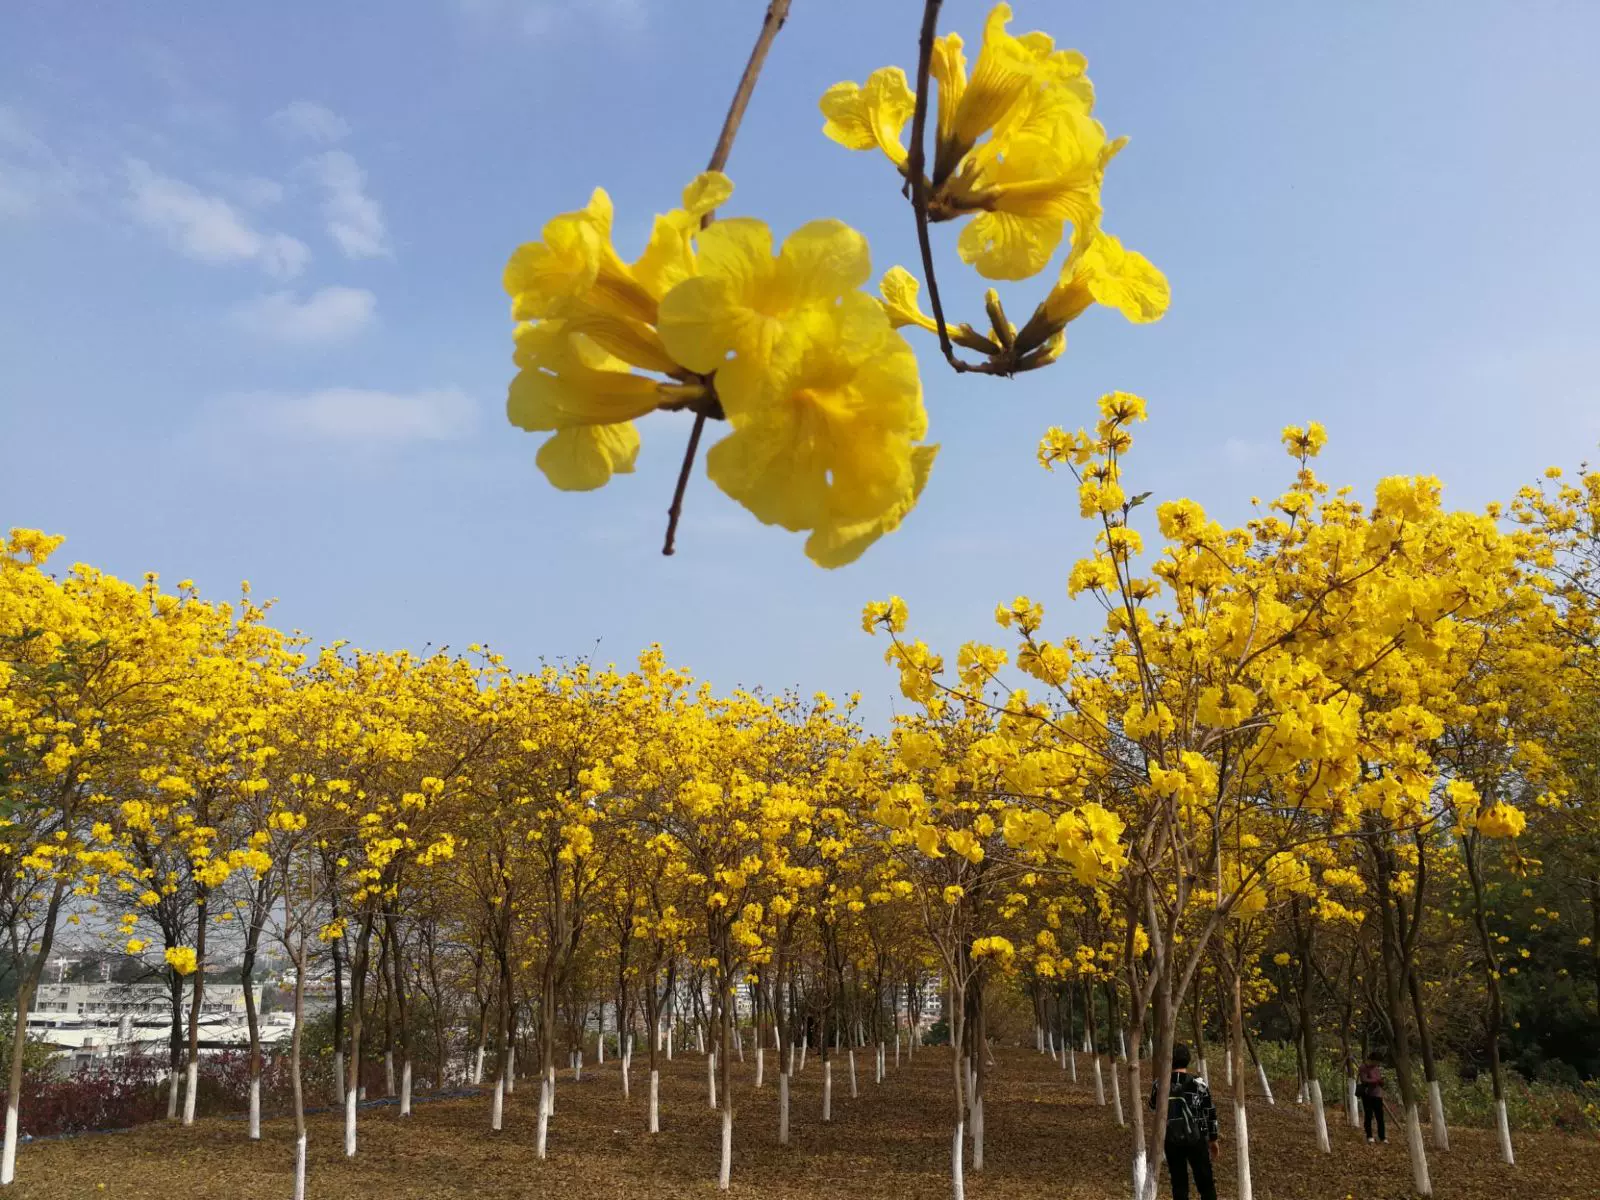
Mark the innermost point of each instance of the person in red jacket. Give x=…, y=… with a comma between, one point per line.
x=1369, y=1087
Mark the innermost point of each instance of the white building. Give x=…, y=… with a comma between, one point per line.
x=90, y=1021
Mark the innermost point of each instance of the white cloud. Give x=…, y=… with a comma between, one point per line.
x=356, y=415
x=207, y=227
x=331, y=314
x=353, y=218
x=32, y=177
x=309, y=122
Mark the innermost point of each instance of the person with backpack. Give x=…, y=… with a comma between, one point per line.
x=1369, y=1088
x=1191, y=1134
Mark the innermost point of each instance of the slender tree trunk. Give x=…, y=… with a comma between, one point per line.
x=1496, y=1012
x=247, y=969
x=19, y=1038
x=191, y=1065
x=1241, y=1119
x=1396, y=966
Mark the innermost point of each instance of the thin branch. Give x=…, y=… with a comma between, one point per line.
x=777, y=14
x=918, y=178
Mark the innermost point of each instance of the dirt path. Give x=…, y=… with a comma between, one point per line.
x=1046, y=1139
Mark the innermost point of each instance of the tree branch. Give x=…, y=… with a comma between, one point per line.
x=777, y=14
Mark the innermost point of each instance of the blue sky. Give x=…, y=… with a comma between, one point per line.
x=251, y=323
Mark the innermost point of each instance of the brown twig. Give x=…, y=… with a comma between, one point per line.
x=777, y=13
x=915, y=164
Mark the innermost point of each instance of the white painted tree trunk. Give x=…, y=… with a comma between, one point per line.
x=1099, y=1082
x=8, y=1157
x=1503, y=1127
x=655, y=1101
x=1122, y=1045
x=827, y=1090
x=477, y=1069
x=783, y=1106
x=1440, y=1131
x=958, y=1182
x=1116, y=1095
x=577, y=1067
x=711, y=1078
x=896, y=1049
x=1420, y=1181
x=1300, y=1096
x=977, y=1134
x=881, y=1059
x=300, y=1168
x=388, y=1073
x=852, y=1057
x=626, y=1071
x=172, y=1094
x=804, y=1042
x=1140, y=1173
x=699, y=1040
x=255, y=1108
x=338, y=1075
x=405, y=1088
x=191, y=1085
x=542, y=1140
x=1352, y=1109
x=1241, y=1136
x=1229, y=1058
x=1072, y=1059
x=1319, y=1115
x=498, y=1109
x=738, y=1043
x=1266, y=1084
x=761, y=1064
x=511, y=1070
x=669, y=1042
x=1204, y=1071
x=1050, y=1042
x=600, y=1042
x=350, y=1097
x=550, y=1089
x=727, y=1148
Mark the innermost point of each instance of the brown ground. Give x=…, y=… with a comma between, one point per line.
x=1046, y=1138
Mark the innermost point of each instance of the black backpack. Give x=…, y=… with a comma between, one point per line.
x=1187, y=1125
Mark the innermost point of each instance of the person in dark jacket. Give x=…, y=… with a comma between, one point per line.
x=1191, y=1135
x=1369, y=1087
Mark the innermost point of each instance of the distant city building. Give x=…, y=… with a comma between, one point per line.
x=86, y=1022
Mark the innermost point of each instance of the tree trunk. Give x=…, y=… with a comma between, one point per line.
x=191, y=1066
x=19, y=1040
x=1495, y=1014
x=1396, y=967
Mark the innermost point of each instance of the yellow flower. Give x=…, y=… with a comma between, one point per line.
x=859, y=118
x=136, y=945
x=744, y=298
x=590, y=328
x=899, y=289
x=822, y=394
x=182, y=959
x=1103, y=272
x=1016, y=147
x=1501, y=820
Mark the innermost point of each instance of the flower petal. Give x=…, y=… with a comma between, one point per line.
x=1003, y=245
x=582, y=459
x=838, y=543
x=821, y=261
